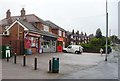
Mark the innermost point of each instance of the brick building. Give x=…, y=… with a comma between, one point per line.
x=76, y=38
x=27, y=32
x=60, y=32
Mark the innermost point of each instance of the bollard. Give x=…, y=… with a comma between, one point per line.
x=15, y=59
x=35, y=63
x=7, y=58
x=24, y=60
x=50, y=69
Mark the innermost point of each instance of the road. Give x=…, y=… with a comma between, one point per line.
x=72, y=66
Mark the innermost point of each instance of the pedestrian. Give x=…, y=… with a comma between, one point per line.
x=101, y=51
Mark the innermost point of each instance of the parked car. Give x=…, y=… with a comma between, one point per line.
x=73, y=49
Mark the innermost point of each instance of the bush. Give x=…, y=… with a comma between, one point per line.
x=95, y=44
x=91, y=48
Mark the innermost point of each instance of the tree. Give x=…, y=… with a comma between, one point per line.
x=113, y=38
x=98, y=33
x=73, y=31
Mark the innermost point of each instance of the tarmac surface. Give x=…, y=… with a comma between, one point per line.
x=72, y=66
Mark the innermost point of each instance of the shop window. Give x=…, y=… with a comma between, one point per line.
x=46, y=44
x=53, y=43
x=34, y=42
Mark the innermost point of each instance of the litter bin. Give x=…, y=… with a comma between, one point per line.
x=55, y=65
x=4, y=51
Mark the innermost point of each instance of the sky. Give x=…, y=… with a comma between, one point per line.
x=83, y=15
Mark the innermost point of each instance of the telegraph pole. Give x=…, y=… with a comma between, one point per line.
x=106, y=32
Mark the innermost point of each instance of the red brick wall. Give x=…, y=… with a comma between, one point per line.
x=5, y=40
x=50, y=29
x=55, y=31
x=15, y=43
x=14, y=32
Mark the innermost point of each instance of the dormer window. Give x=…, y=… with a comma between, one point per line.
x=46, y=28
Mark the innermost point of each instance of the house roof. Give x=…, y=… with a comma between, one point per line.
x=33, y=29
x=29, y=26
x=91, y=36
x=78, y=35
x=28, y=18
x=54, y=26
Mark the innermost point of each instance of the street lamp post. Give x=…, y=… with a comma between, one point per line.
x=106, y=32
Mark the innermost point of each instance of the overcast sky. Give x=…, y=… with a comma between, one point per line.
x=83, y=15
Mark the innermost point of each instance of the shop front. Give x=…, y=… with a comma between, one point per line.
x=60, y=44
x=32, y=43
x=48, y=44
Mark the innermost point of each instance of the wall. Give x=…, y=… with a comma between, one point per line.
x=16, y=39
x=55, y=31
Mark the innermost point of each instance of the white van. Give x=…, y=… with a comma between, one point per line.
x=73, y=49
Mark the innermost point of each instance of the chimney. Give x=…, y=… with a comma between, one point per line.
x=8, y=14
x=78, y=32
x=22, y=12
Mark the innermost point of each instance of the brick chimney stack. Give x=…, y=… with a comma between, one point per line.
x=8, y=14
x=23, y=12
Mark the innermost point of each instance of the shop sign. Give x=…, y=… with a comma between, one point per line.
x=60, y=39
x=35, y=35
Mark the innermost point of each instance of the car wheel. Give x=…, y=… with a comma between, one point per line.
x=76, y=52
x=64, y=51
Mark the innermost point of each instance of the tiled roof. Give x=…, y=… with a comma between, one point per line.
x=91, y=36
x=54, y=26
x=28, y=18
x=34, y=29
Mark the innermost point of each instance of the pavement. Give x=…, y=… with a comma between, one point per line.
x=72, y=66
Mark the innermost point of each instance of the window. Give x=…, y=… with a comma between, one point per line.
x=60, y=33
x=33, y=41
x=71, y=36
x=74, y=38
x=46, y=44
x=71, y=42
x=69, y=47
x=46, y=28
